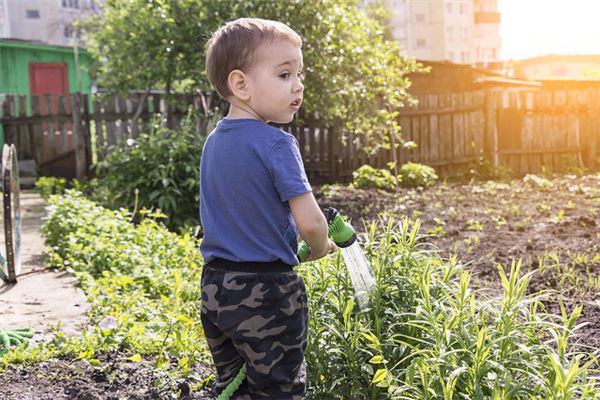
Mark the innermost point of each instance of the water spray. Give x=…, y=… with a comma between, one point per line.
x=344, y=236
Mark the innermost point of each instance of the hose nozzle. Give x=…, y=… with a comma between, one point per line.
x=341, y=232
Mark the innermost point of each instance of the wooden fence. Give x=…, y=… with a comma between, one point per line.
x=523, y=130
x=65, y=134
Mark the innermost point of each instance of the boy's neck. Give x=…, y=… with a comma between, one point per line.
x=242, y=112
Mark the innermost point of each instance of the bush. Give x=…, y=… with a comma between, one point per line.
x=368, y=177
x=49, y=185
x=415, y=175
x=143, y=275
x=158, y=170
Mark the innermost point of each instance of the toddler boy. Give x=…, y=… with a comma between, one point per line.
x=254, y=200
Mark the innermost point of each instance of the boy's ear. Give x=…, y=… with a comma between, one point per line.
x=238, y=84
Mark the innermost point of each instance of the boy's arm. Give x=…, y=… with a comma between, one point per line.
x=312, y=224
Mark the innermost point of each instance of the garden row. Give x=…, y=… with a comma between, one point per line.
x=426, y=334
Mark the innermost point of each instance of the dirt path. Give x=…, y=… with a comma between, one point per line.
x=40, y=297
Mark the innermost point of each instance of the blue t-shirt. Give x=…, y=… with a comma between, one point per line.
x=248, y=172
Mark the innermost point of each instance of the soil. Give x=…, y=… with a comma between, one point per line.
x=550, y=225
x=41, y=297
x=118, y=379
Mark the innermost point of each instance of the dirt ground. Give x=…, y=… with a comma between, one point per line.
x=549, y=224
x=118, y=379
x=41, y=297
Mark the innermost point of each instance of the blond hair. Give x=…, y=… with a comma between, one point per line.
x=234, y=46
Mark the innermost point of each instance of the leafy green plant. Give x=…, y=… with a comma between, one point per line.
x=49, y=185
x=415, y=175
x=369, y=177
x=142, y=279
x=158, y=170
x=542, y=184
x=428, y=335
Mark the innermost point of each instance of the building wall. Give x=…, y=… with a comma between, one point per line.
x=461, y=31
x=559, y=68
x=4, y=27
x=47, y=21
x=15, y=59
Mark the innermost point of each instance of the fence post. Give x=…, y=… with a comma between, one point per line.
x=8, y=111
x=78, y=137
x=592, y=128
x=87, y=131
x=491, y=127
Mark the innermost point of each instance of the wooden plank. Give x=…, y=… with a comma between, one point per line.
x=121, y=123
x=22, y=137
x=520, y=152
x=322, y=132
x=98, y=129
x=111, y=135
x=312, y=144
x=78, y=139
x=37, y=131
x=51, y=134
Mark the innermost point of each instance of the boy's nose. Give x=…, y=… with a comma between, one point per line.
x=299, y=87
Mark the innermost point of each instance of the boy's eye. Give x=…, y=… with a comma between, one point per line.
x=285, y=75
x=300, y=75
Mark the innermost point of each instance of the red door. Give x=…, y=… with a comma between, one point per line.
x=48, y=78
x=52, y=79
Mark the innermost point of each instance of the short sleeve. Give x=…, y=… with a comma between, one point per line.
x=287, y=170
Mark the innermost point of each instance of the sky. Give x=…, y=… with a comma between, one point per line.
x=531, y=28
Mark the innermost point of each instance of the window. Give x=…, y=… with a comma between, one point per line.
x=70, y=3
x=449, y=8
x=32, y=14
x=465, y=57
x=420, y=17
x=450, y=33
x=464, y=33
x=421, y=42
x=464, y=8
x=69, y=32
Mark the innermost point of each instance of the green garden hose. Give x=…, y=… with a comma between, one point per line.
x=234, y=385
x=14, y=338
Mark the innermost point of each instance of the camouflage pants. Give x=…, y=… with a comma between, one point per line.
x=261, y=319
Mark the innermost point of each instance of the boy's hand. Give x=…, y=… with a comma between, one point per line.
x=330, y=248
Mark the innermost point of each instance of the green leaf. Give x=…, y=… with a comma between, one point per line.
x=380, y=375
x=376, y=360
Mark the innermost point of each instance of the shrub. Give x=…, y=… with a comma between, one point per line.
x=143, y=275
x=158, y=170
x=369, y=177
x=49, y=185
x=415, y=175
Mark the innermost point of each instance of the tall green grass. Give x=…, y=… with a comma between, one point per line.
x=427, y=335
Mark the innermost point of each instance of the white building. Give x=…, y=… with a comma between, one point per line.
x=461, y=31
x=47, y=21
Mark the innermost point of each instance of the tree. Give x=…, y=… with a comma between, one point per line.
x=146, y=44
x=353, y=74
